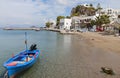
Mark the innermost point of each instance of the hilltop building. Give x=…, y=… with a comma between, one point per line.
x=113, y=13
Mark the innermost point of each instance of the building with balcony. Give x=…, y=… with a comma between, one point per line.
x=79, y=22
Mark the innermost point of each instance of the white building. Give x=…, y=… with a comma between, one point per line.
x=65, y=24
x=118, y=18
x=113, y=13
x=79, y=22
x=86, y=5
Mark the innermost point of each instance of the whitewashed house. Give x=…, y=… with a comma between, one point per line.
x=113, y=13
x=65, y=24
x=78, y=22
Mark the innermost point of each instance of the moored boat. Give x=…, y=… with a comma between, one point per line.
x=20, y=62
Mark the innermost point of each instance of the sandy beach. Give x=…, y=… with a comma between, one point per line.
x=106, y=42
x=97, y=50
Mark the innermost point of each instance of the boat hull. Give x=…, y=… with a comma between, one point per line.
x=15, y=70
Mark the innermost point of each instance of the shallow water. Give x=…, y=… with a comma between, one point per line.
x=62, y=56
x=50, y=43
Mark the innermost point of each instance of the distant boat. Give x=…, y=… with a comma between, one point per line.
x=37, y=29
x=7, y=29
x=21, y=61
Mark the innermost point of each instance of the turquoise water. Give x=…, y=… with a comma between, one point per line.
x=50, y=44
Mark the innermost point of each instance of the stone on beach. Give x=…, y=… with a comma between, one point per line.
x=107, y=70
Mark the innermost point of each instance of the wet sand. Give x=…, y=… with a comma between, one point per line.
x=79, y=57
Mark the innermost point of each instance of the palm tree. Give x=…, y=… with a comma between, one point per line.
x=99, y=8
x=100, y=20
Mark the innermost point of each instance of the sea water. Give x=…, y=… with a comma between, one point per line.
x=49, y=43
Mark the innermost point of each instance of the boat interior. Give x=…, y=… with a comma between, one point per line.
x=21, y=59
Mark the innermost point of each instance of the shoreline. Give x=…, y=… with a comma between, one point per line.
x=99, y=39
x=105, y=42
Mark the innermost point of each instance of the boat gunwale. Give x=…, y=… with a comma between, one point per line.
x=20, y=65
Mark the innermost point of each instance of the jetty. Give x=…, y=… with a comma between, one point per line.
x=37, y=29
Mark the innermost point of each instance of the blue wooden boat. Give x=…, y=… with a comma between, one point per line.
x=21, y=61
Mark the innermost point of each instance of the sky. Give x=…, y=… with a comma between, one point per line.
x=21, y=13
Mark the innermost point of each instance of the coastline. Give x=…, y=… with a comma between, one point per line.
x=99, y=39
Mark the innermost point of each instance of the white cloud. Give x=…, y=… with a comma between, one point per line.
x=16, y=12
x=37, y=12
x=63, y=2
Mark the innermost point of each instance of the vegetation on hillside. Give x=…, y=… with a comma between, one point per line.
x=87, y=10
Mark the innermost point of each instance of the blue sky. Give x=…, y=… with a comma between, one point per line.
x=37, y=12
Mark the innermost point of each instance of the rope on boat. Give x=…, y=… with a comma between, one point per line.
x=4, y=74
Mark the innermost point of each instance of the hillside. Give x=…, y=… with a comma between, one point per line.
x=79, y=10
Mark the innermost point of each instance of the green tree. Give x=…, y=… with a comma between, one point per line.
x=92, y=22
x=98, y=21
x=91, y=11
x=103, y=19
x=58, y=19
x=83, y=10
x=78, y=9
x=75, y=14
x=68, y=17
x=48, y=24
